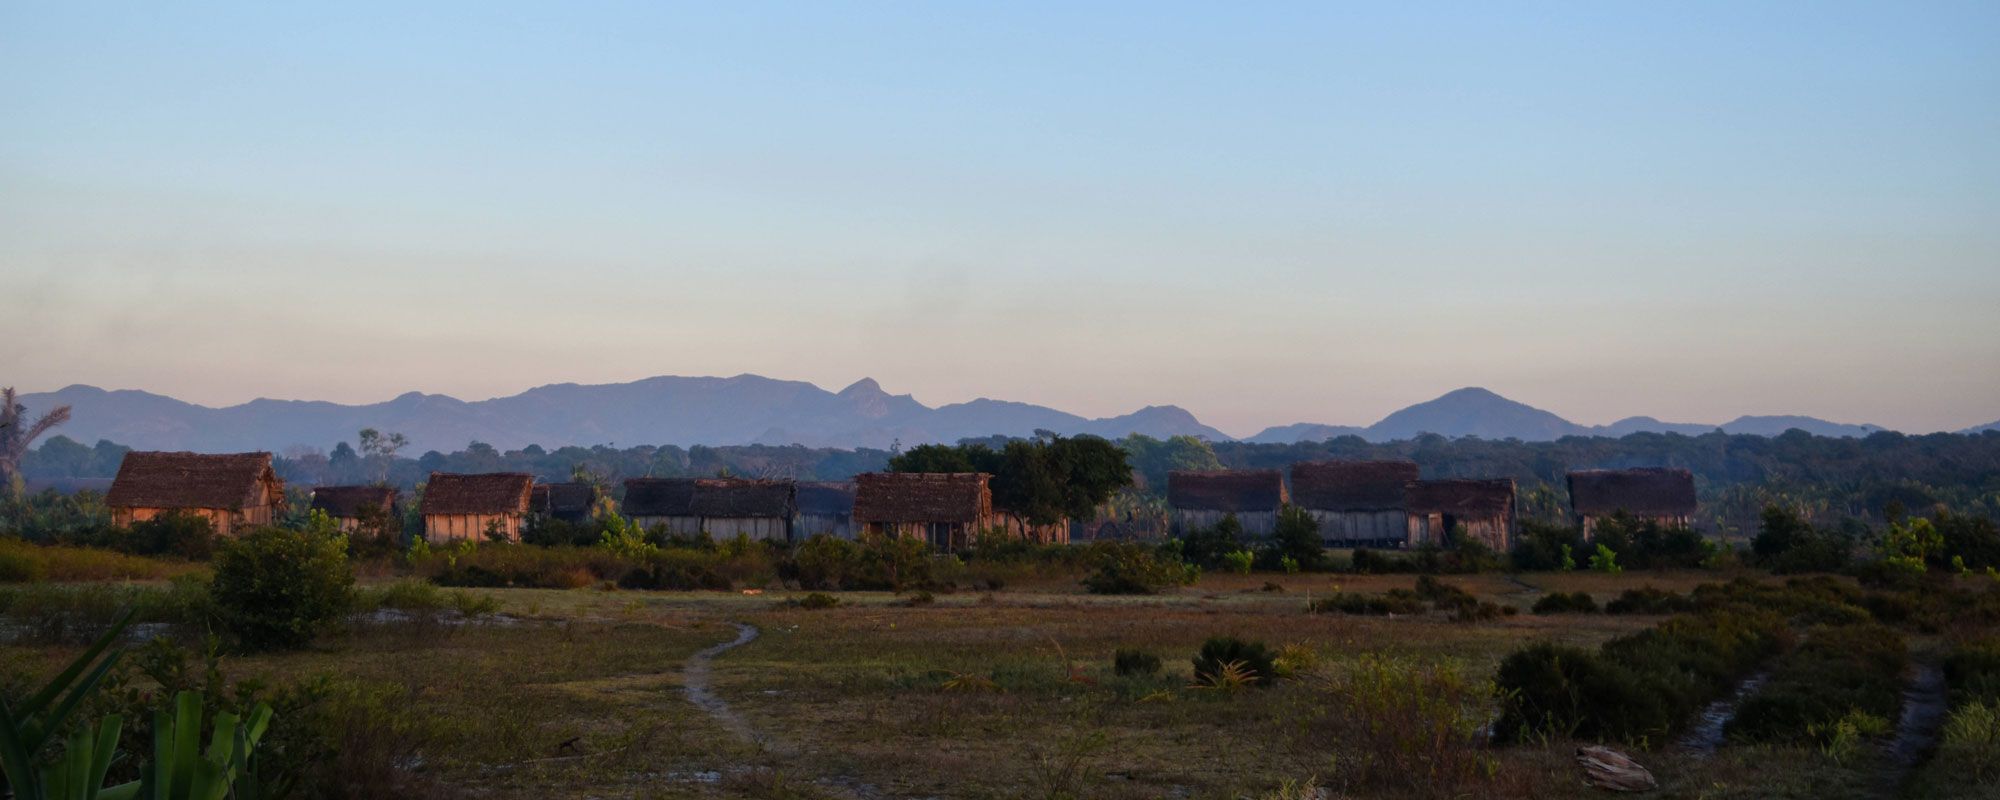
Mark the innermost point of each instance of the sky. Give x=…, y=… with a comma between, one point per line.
x=1264, y=213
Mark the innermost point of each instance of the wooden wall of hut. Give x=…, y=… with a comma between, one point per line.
x=771, y=529
x=224, y=521
x=453, y=527
x=1437, y=529
x=1350, y=528
x=1256, y=524
x=674, y=526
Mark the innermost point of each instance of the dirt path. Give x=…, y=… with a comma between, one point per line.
x=695, y=682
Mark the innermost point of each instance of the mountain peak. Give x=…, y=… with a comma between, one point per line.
x=865, y=386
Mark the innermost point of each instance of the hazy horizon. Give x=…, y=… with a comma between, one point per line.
x=1284, y=214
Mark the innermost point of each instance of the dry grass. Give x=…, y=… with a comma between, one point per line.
x=578, y=693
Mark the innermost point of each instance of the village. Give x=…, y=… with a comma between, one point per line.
x=1369, y=504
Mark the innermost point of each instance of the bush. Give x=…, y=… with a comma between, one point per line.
x=1542, y=547
x=1127, y=568
x=1973, y=671
x=1401, y=602
x=1838, y=671
x=1786, y=544
x=276, y=589
x=1128, y=662
x=1649, y=600
x=1368, y=562
x=815, y=601
x=1239, y=562
x=1639, y=687
x=1208, y=548
x=1402, y=727
x=1297, y=538
x=1566, y=603
x=176, y=533
x=1222, y=655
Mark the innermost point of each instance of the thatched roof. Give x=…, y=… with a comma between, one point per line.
x=740, y=498
x=565, y=500
x=229, y=481
x=826, y=499
x=1462, y=498
x=1238, y=491
x=659, y=497
x=488, y=493
x=348, y=501
x=1351, y=485
x=922, y=497
x=1649, y=492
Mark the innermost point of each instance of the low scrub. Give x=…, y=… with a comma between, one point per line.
x=1972, y=671
x=1126, y=568
x=1401, y=727
x=1649, y=600
x=1566, y=603
x=1396, y=601
x=1638, y=688
x=1837, y=672
x=23, y=562
x=74, y=614
x=1129, y=662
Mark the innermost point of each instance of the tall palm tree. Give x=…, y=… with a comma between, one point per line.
x=16, y=438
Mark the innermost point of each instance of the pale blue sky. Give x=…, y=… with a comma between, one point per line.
x=1267, y=213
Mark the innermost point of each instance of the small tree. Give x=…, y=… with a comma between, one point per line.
x=277, y=589
x=379, y=451
x=17, y=435
x=1297, y=538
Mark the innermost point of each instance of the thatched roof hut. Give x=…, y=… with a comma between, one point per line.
x=231, y=490
x=1204, y=498
x=1482, y=510
x=569, y=502
x=825, y=507
x=1658, y=494
x=948, y=509
x=460, y=506
x=658, y=497
x=1349, y=486
x=351, y=506
x=720, y=507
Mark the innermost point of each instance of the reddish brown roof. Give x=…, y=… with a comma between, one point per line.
x=1649, y=492
x=488, y=493
x=659, y=497
x=1465, y=498
x=826, y=499
x=1351, y=485
x=229, y=481
x=1238, y=491
x=741, y=498
x=348, y=501
x=922, y=497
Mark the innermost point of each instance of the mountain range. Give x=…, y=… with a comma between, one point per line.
x=751, y=409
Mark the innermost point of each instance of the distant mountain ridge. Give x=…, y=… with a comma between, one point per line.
x=745, y=409
x=1477, y=412
x=751, y=409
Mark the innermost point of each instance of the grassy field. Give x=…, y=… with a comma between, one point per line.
x=1008, y=694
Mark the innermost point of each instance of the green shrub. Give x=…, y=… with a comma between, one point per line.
x=1649, y=600
x=1636, y=688
x=1836, y=672
x=1972, y=670
x=1296, y=540
x=816, y=601
x=1127, y=662
x=176, y=533
x=1566, y=603
x=1369, y=562
x=1401, y=602
x=1239, y=562
x=1207, y=548
x=276, y=589
x=1127, y=568
x=1219, y=654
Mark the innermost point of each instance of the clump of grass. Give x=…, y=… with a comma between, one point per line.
x=811, y=602
x=1402, y=602
x=1401, y=727
x=1225, y=662
x=1129, y=662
